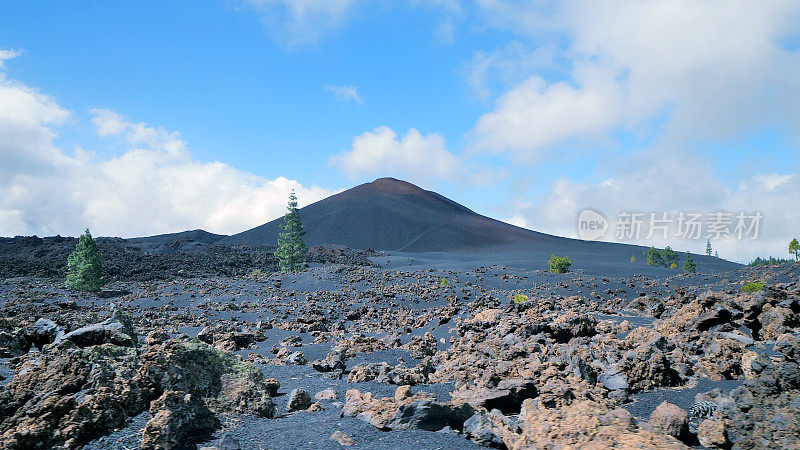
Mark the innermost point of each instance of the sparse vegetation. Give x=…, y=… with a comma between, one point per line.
x=771, y=261
x=673, y=266
x=689, y=265
x=753, y=286
x=85, y=265
x=444, y=283
x=520, y=298
x=291, y=251
x=559, y=264
x=794, y=247
x=664, y=258
x=633, y=259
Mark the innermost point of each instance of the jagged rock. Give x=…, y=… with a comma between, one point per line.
x=583, y=424
x=430, y=415
x=68, y=398
x=671, y=419
x=405, y=411
x=343, y=439
x=335, y=360
x=613, y=379
x=200, y=369
x=67, y=395
x=156, y=337
x=245, y=394
x=296, y=358
x=315, y=407
x=481, y=430
x=712, y=433
x=507, y=396
x=116, y=330
x=12, y=344
x=647, y=367
x=177, y=417
x=776, y=320
x=43, y=332
x=298, y=400
x=326, y=394
x=422, y=346
x=272, y=385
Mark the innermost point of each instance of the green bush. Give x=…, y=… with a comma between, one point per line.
x=633, y=259
x=444, y=283
x=654, y=257
x=673, y=266
x=665, y=258
x=520, y=298
x=85, y=266
x=753, y=286
x=559, y=264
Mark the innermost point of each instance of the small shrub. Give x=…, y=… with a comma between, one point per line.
x=444, y=283
x=673, y=266
x=753, y=286
x=559, y=264
x=633, y=259
x=520, y=298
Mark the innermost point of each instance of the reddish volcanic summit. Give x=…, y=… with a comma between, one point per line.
x=390, y=214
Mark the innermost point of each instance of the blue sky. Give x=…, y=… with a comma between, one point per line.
x=524, y=111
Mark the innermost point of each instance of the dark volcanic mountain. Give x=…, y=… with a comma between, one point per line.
x=390, y=214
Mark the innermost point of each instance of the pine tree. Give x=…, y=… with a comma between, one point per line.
x=291, y=251
x=708, y=247
x=689, y=265
x=85, y=266
x=794, y=247
x=654, y=257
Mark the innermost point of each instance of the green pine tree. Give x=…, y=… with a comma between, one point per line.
x=708, y=247
x=85, y=266
x=794, y=247
x=291, y=251
x=689, y=265
x=654, y=257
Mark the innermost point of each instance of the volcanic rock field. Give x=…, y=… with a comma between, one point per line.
x=200, y=343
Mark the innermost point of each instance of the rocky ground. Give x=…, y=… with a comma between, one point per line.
x=412, y=351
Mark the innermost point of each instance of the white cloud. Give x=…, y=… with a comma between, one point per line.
x=511, y=64
x=107, y=123
x=153, y=187
x=672, y=181
x=302, y=22
x=535, y=115
x=414, y=156
x=6, y=54
x=345, y=93
x=714, y=71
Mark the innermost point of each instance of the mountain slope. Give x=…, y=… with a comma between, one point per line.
x=389, y=214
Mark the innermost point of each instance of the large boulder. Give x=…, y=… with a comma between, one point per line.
x=198, y=368
x=43, y=332
x=116, y=330
x=430, y=415
x=671, y=420
x=298, y=400
x=177, y=418
x=506, y=397
x=405, y=411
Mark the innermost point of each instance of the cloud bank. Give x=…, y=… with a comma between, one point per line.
x=154, y=187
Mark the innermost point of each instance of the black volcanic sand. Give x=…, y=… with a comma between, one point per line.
x=347, y=301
